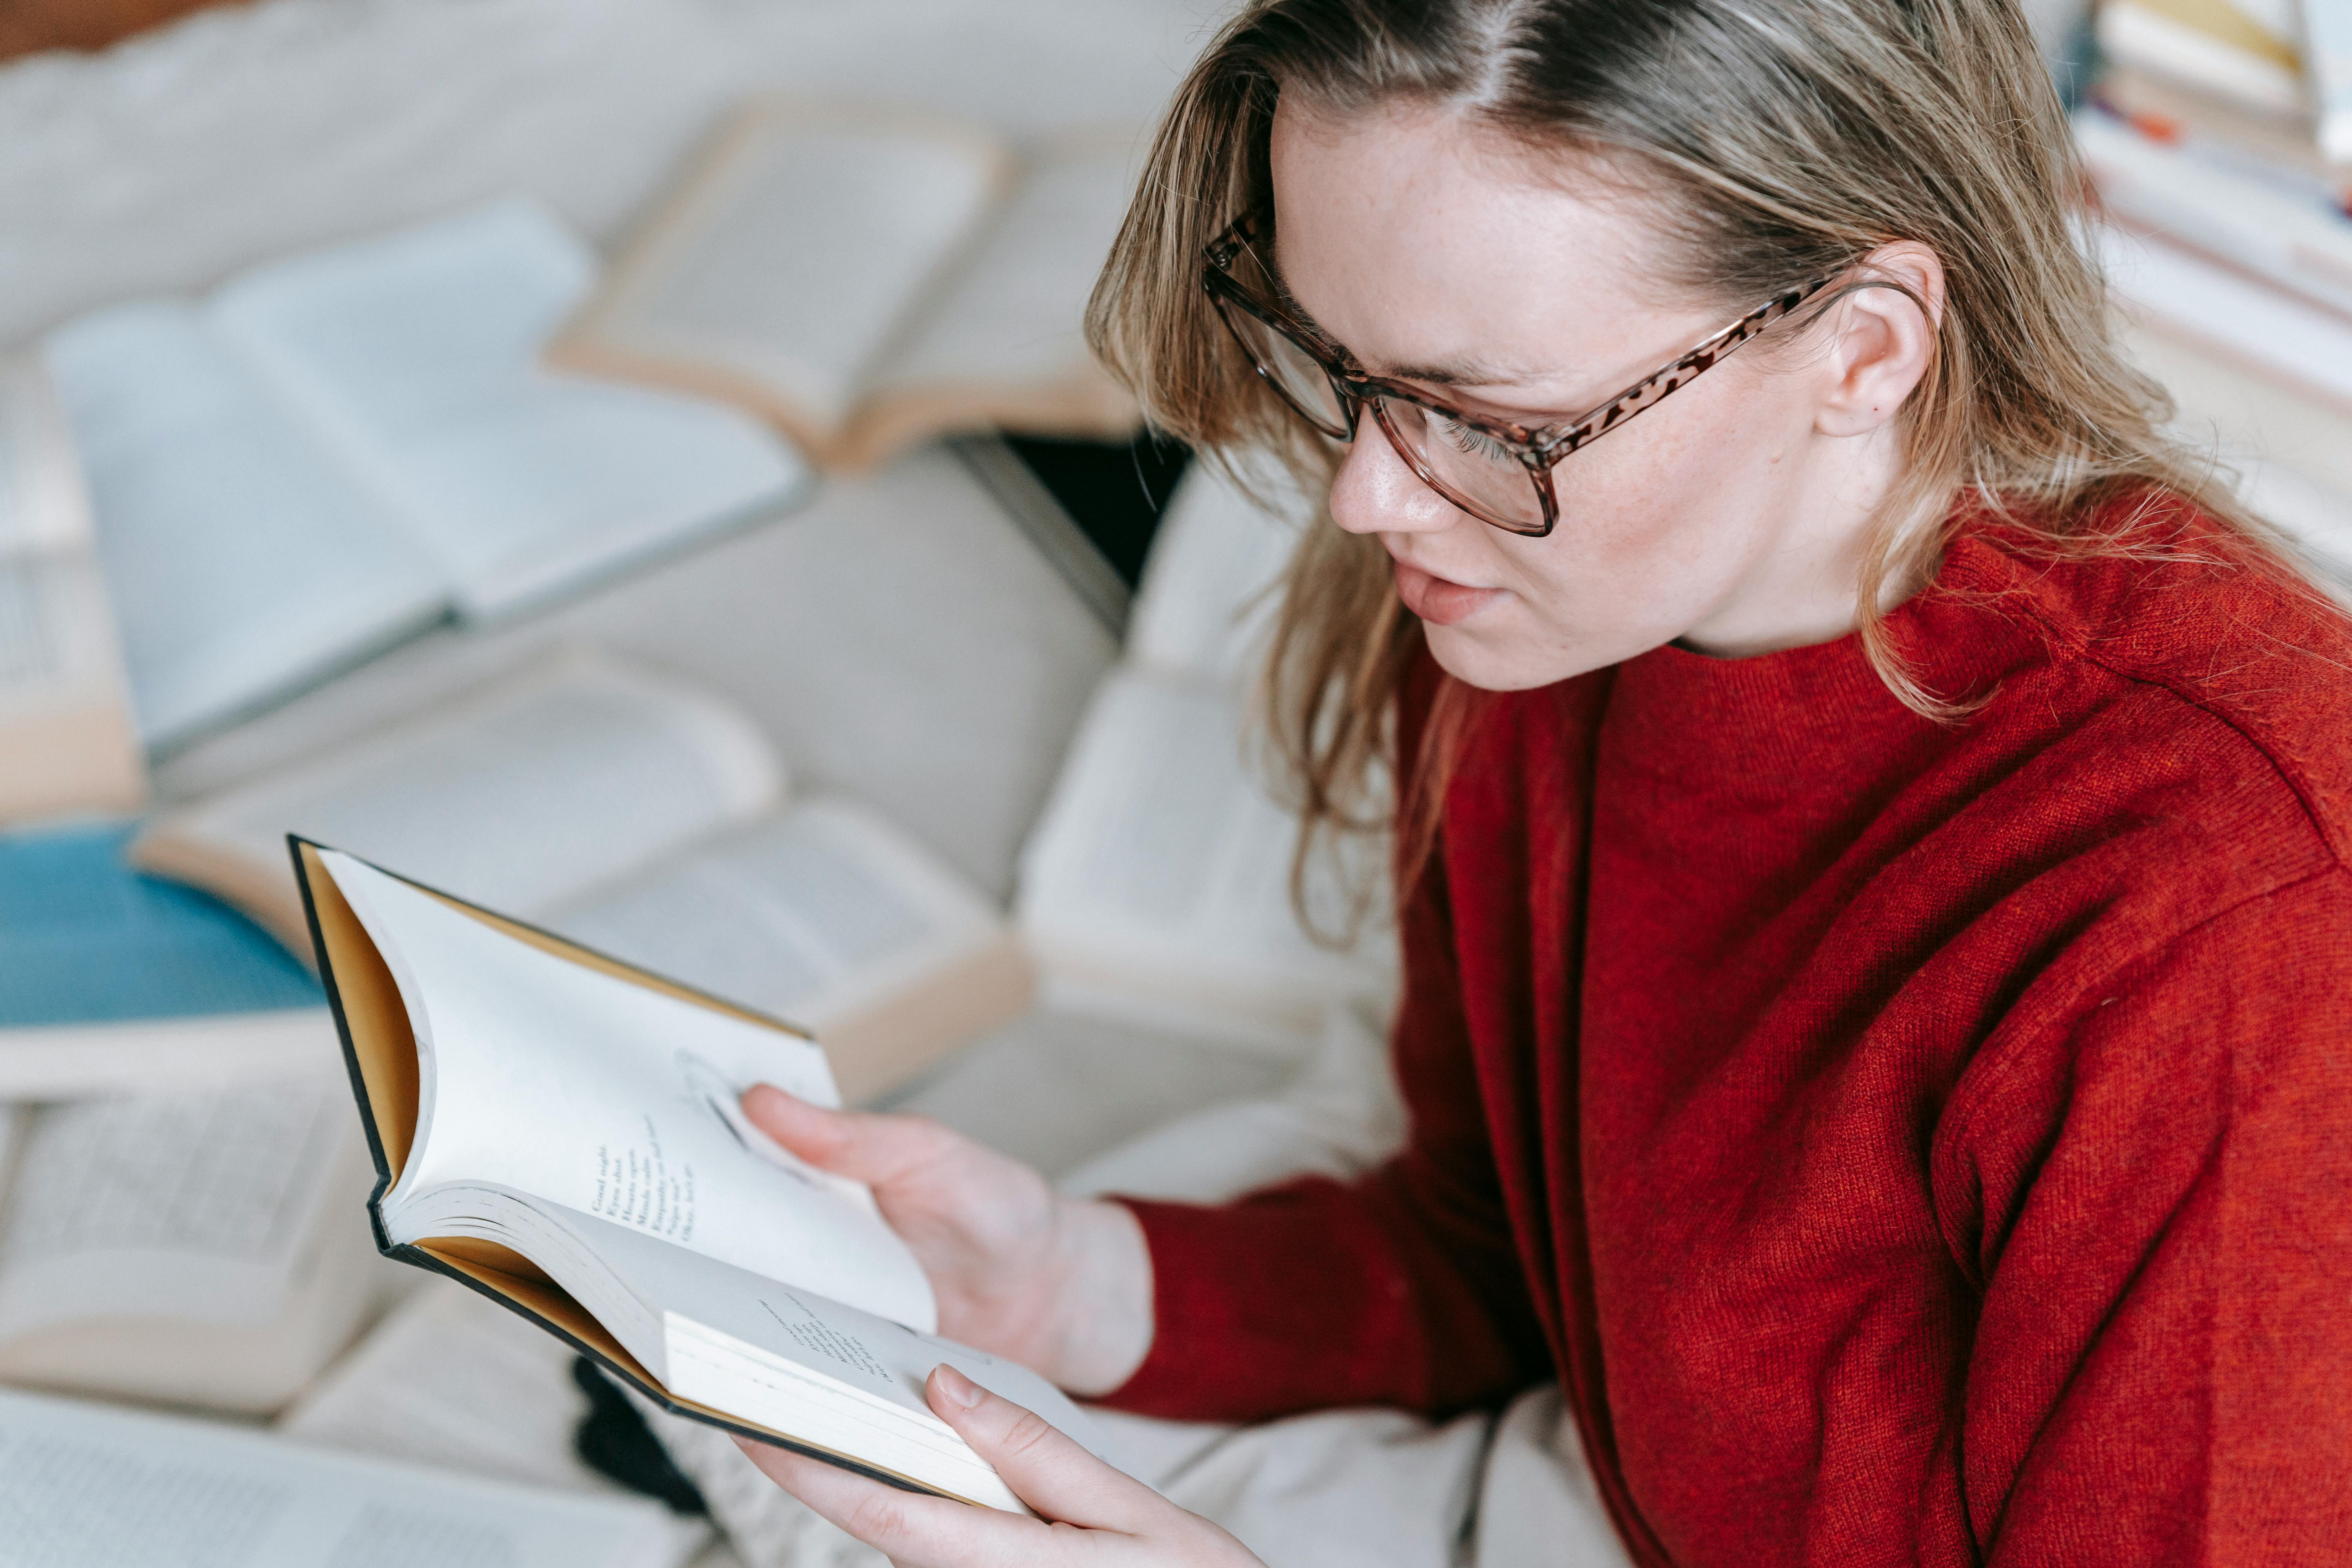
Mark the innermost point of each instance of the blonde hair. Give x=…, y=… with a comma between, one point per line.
x=1778, y=140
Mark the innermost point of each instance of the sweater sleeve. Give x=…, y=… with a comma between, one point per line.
x=1402, y=1288
x=2159, y=1209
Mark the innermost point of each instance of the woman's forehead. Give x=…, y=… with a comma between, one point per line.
x=1432, y=250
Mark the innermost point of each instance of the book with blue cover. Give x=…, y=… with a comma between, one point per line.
x=113, y=981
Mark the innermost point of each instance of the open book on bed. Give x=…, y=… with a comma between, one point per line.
x=648, y=819
x=560, y=1131
x=90, y=1486
x=185, y=1248
x=867, y=277
x=333, y=450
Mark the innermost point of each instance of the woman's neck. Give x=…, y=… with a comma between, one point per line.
x=1803, y=586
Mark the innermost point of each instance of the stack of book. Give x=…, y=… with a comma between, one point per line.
x=2218, y=138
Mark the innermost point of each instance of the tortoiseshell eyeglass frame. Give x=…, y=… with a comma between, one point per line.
x=1538, y=447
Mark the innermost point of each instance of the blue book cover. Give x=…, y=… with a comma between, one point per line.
x=84, y=939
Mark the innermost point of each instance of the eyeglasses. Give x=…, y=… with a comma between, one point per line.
x=1498, y=471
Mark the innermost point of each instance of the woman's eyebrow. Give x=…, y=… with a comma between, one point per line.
x=1441, y=373
x=1458, y=373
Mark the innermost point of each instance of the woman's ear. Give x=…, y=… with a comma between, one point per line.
x=1885, y=342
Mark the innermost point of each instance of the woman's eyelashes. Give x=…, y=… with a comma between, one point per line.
x=1470, y=442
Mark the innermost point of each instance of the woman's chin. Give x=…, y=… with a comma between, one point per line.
x=1475, y=656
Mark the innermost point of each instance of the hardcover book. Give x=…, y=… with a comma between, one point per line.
x=560, y=1131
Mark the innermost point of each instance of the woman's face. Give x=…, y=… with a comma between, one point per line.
x=1729, y=516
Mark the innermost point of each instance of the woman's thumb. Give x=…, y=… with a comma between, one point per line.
x=1049, y=1470
x=869, y=1149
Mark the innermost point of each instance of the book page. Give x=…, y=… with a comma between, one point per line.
x=44, y=506
x=66, y=724
x=1014, y=308
x=57, y=639
x=792, y=261
x=808, y=916
x=86, y=1486
x=1163, y=862
x=65, y=709
x=562, y=778
x=457, y=1382
x=244, y=562
x=35, y=655
x=817, y=1369
x=416, y=358
x=580, y=1089
x=1212, y=585
x=193, y=1207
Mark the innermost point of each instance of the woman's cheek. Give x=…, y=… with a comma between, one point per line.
x=1632, y=569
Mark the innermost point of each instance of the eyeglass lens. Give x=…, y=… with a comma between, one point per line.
x=1294, y=373
x=1464, y=466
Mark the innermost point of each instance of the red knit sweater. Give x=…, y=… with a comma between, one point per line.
x=1906, y=1143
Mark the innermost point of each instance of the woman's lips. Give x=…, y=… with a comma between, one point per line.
x=1437, y=600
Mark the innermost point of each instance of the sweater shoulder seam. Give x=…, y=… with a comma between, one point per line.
x=1958, y=1127
x=2080, y=649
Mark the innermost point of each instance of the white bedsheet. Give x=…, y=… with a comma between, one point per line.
x=238, y=134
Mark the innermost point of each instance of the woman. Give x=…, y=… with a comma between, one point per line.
x=1869, y=821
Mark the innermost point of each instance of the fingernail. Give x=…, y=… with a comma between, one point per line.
x=958, y=1387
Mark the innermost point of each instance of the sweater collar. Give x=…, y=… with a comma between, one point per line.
x=1754, y=727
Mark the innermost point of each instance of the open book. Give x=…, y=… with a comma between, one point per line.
x=1160, y=868
x=456, y=1381
x=561, y=1132
x=186, y=1249
x=334, y=450
x=89, y=1487
x=64, y=708
x=651, y=821
x=867, y=277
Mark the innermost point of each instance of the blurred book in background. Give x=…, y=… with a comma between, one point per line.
x=2246, y=53
x=112, y=983
x=193, y=1250
x=867, y=279
x=332, y=451
x=86, y=1486
x=651, y=821
x=66, y=728
x=2229, y=241
x=2328, y=68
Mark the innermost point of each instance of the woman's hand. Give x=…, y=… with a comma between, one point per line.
x=1020, y=1271
x=1097, y=1516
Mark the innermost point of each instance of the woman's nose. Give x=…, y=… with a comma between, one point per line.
x=1375, y=492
